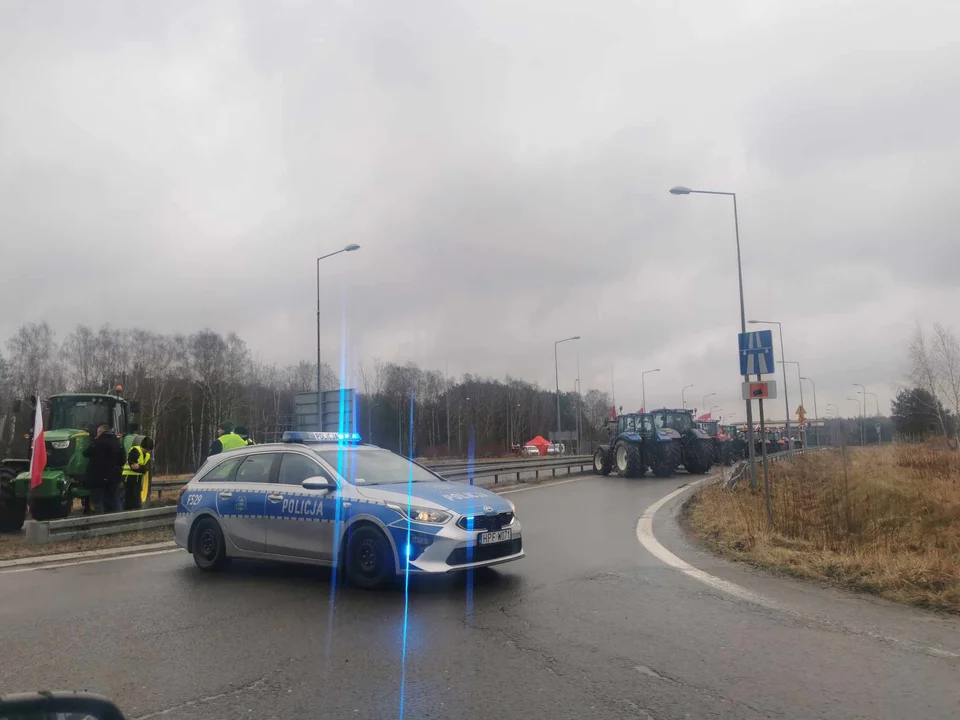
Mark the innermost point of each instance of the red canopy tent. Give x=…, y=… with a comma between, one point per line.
x=540, y=444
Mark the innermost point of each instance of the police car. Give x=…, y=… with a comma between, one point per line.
x=325, y=499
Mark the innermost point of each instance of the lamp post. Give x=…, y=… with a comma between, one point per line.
x=815, y=415
x=710, y=412
x=786, y=400
x=863, y=407
x=556, y=367
x=681, y=190
x=643, y=386
x=703, y=403
x=683, y=400
x=348, y=248
x=793, y=362
x=859, y=412
x=877, y=401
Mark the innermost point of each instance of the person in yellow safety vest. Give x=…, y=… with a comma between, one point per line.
x=242, y=432
x=227, y=440
x=138, y=463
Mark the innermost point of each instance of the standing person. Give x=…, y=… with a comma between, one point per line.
x=104, y=470
x=138, y=464
x=227, y=439
x=245, y=435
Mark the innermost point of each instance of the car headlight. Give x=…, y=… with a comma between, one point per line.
x=60, y=444
x=422, y=514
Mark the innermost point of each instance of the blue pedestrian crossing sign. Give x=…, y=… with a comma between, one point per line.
x=756, y=352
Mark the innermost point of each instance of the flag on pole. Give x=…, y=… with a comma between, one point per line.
x=38, y=458
x=706, y=416
x=613, y=413
x=640, y=410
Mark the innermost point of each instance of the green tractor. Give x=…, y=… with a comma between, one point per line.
x=693, y=445
x=738, y=442
x=71, y=420
x=635, y=445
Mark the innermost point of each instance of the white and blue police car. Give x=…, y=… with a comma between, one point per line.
x=326, y=499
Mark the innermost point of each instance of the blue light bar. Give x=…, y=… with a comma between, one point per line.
x=296, y=436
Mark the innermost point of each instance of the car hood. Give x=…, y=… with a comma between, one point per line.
x=461, y=498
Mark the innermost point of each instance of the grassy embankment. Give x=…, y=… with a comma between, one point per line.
x=881, y=520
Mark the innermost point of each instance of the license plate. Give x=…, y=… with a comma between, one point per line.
x=488, y=538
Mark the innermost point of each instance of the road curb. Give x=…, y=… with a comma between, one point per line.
x=85, y=554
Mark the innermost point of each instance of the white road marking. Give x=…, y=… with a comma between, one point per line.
x=105, y=552
x=52, y=566
x=649, y=541
x=546, y=485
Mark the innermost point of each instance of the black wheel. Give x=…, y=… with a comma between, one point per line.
x=664, y=464
x=369, y=558
x=209, y=547
x=13, y=510
x=628, y=460
x=698, y=457
x=51, y=508
x=601, y=462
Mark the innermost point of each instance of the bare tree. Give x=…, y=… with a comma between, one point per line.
x=34, y=366
x=926, y=374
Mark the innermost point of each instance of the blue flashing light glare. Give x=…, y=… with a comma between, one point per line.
x=409, y=550
x=343, y=438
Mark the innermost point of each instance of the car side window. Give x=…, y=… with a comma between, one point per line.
x=256, y=468
x=222, y=472
x=295, y=468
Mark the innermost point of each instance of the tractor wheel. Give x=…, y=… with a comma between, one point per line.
x=601, y=462
x=663, y=463
x=628, y=460
x=699, y=457
x=51, y=508
x=726, y=453
x=13, y=510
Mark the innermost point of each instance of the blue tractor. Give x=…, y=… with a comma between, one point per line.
x=692, y=444
x=636, y=445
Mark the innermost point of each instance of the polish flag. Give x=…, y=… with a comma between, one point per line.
x=613, y=413
x=705, y=416
x=640, y=410
x=38, y=459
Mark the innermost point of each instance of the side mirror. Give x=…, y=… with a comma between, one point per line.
x=318, y=483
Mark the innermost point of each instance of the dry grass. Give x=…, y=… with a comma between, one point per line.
x=883, y=520
x=14, y=546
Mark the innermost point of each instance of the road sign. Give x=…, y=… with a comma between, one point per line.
x=877, y=426
x=756, y=352
x=338, y=411
x=766, y=390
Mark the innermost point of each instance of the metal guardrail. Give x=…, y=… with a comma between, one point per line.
x=86, y=526
x=480, y=469
x=738, y=471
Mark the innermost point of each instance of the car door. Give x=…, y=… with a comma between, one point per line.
x=241, y=503
x=300, y=522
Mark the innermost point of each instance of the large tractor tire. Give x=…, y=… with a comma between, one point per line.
x=51, y=508
x=602, y=461
x=628, y=460
x=698, y=457
x=664, y=462
x=13, y=510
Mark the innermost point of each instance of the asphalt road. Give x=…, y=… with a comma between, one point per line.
x=589, y=625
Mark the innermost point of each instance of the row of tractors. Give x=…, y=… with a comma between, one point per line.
x=664, y=440
x=69, y=424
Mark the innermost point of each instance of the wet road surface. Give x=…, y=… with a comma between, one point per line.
x=588, y=625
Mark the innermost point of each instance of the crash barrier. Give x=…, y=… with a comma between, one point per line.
x=480, y=471
x=742, y=467
x=87, y=526
x=485, y=473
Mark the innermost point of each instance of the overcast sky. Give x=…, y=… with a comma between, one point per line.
x=505, y=166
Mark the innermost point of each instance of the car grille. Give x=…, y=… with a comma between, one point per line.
x=486, y=522
x=482, y=553
x=58, y=458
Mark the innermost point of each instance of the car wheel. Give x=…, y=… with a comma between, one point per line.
x=209, y=546
x=369, y=558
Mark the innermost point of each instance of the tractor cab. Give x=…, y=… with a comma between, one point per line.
x=679, y=420
x=85, y=412
x=710, y=427
x=642, y=424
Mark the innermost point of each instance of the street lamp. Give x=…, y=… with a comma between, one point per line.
x=703, y=403
x=710, y=412
x=877, y=401
x=683, y=401
x=681, y=190
x=556, y=367
x=786, y=401
x=817, y=427
x=348, y=248
x=863, y=437
x=643, y=387
x=859, y=412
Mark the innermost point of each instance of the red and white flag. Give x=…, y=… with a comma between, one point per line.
x=706, y=416
x=38, y=459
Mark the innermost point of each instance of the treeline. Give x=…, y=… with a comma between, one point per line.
x=932, y=405
x=187, y=384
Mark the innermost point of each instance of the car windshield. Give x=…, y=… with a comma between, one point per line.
x=374, y=466
x=80, y=413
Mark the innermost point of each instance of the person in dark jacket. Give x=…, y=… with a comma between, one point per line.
x=244, y=435
x=105, y=470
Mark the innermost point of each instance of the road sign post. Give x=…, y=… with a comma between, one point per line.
x=877, y=426
x=756, y=358
x=766, y=475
